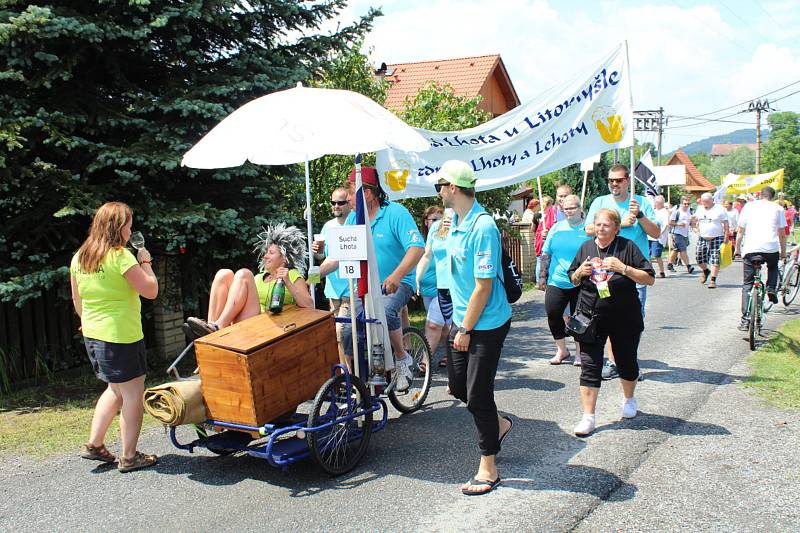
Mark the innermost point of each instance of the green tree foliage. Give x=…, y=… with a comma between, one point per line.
x=438, y=108
x=740, y=161
x=350, y=70
x=98, y=102
x=783, y=151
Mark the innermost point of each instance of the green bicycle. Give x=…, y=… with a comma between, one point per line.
x=755, y=304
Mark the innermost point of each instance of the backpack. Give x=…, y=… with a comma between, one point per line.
x=512, y=279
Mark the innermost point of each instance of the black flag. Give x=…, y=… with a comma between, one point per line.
x=644, y=174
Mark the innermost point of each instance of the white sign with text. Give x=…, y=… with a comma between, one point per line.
x=347, y=243
x=349, y=269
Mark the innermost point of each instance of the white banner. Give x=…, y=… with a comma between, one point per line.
x=670, y=175
x=564, y=125
x=587, y=165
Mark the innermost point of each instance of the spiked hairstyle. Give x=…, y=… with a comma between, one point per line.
x=290, y=240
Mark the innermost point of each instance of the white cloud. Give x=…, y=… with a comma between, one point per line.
x=690, y=60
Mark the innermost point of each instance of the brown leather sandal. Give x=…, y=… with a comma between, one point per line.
x=97, y=453
x=140, y=460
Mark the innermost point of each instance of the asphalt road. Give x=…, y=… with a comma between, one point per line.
x=703, y=454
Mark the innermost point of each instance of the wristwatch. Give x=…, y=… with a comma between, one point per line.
x=464, y=331
x=639, y=214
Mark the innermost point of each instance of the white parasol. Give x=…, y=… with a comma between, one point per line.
x=298, y=125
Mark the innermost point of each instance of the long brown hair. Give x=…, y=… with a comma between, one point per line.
x=430, y=210
x=105, y=234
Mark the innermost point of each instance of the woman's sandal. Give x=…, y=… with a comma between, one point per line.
x=140, y=460
x=557, y=359
x=97, y=453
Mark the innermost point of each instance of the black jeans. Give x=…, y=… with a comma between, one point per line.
x=624, y=342
x=771, y=260
x=471, y=379
x=555, y=302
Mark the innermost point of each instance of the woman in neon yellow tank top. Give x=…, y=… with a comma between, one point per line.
x=235, y=297
x=106, y=281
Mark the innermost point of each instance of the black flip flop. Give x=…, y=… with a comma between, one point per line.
x=480, y=483
x=503, y=437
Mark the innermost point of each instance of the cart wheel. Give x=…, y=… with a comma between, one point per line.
x=412, y=399
x=339, y=448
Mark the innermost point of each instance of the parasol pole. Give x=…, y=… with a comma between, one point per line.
x=309, y=230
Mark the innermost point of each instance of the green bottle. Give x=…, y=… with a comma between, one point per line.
x=276, y=304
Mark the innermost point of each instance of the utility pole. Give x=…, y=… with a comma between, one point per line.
x=650, y=121
x=757, y=107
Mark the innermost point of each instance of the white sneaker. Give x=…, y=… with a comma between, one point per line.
x=404, y=375
x=629, y=408
x=585, y=426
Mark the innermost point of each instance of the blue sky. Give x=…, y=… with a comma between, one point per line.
x=691, y=57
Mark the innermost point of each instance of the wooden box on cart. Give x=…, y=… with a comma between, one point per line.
x=267, y=365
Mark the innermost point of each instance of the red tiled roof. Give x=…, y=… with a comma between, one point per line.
x=465, y=75
x=695, y=182
x=725, y=149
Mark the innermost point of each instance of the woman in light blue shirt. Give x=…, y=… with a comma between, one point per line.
x=563, y=241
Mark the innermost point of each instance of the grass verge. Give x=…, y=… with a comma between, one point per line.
x=54, y=417
x=776, y=368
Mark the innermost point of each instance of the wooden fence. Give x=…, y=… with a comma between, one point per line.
x=42, y=336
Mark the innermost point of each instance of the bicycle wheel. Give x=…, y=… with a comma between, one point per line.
x=418, y=348
x=791, y=284
x=755, y=311
x=339, y=448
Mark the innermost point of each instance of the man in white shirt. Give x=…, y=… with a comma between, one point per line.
x=761, y=229
x=712, y=225
x=679, y=223
x=733, y=219
x=657, y=244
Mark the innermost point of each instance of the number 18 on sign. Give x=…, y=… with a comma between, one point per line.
x=349, y=269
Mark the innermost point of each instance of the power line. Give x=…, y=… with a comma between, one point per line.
x=710, y=120
x=767, y=13
x=744, y=22
x=785, y=96
x=703, y=121
x=742, y=103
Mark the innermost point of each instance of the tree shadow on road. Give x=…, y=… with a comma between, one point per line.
x=654, y=370
x=436, y=444
x=668, y=424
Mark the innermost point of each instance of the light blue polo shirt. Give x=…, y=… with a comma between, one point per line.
x=561, y=245
x=474, y=251
x=335, y=287
x=635, y=232
x=393, y=232
x=439, y=248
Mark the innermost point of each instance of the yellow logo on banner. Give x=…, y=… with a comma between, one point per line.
x=609, y=124
x=755, y=182
x=397, y=178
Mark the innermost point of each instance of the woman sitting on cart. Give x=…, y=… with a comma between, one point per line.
x=235, y=297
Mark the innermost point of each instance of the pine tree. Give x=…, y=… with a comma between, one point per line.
x=99, y=101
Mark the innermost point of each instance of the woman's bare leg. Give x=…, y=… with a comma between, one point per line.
x=108, y=406
x=218, y=295
x=130, y=420
x=242, y=300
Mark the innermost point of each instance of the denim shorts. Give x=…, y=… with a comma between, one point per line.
x=681, y=242
x=392, y=303
x=656, y=248
x=114, y=362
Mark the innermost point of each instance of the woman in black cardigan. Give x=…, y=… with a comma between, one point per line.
x=607, y=269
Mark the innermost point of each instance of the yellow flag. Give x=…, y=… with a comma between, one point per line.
x=755, y=182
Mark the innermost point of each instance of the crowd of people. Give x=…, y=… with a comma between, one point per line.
x=594, y=269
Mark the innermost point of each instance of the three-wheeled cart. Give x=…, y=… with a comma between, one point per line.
x=258, y=376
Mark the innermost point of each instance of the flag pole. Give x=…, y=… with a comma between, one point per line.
x=633, y=132
x=583, y=190
x=541, y=198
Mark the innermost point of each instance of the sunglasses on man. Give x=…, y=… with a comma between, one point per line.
x=438, y=186
x=613, y=181
x=340, y=203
